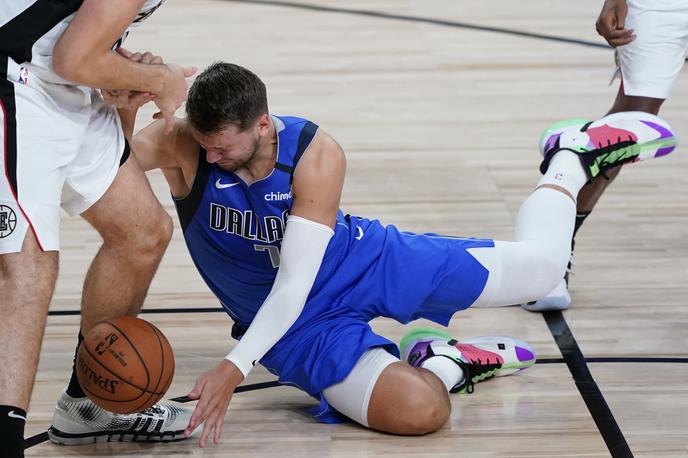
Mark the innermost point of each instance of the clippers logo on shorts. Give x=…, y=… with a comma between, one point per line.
x=104, y=344
x=8, y=221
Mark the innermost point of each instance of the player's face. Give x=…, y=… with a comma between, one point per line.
x=230, y=148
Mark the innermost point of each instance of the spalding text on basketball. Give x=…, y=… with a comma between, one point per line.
x=105, y=383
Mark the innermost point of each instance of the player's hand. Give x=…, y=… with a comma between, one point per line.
x=126, y=100
x=611, y=22
x=214, y=390
x=131, y=100
x=174, y=95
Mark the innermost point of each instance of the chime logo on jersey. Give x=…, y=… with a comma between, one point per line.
x=247, y=224
x=274, y=196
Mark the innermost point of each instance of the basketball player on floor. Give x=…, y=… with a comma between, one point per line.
x=258, y=196
x=63, y=147
x=651, y=41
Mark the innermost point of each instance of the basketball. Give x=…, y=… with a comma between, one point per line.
x=125, y=364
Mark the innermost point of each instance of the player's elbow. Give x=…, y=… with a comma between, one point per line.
x=73, y=64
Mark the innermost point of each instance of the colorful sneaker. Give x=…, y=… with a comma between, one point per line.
x=609, y=142
x=480, y=358
x=79, y=421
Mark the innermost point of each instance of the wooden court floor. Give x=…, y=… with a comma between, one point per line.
x=438, y=105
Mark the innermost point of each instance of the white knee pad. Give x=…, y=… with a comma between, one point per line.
x=351, y=397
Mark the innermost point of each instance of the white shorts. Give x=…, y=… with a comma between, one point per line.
x=62, y=147
x=650, y=64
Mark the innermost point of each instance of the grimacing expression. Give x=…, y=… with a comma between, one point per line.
x=230, y=148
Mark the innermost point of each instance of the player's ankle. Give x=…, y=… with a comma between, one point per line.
x=74, y=389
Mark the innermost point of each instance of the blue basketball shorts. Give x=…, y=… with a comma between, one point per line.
x=384, y=273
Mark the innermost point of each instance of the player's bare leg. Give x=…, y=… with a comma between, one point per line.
x=135, y=230
x=27, y=280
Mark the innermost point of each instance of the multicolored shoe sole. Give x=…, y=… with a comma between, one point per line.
x=515, y=353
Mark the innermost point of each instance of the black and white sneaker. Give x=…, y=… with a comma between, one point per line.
x=79, y=421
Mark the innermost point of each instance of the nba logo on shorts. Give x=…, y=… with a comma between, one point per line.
x=8, y=221
x=24, y=75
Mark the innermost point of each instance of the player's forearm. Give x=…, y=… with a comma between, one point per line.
x=303, y=249
x=109, y=70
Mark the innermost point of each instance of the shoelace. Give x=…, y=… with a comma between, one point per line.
x=475, y=368
x=154, y=410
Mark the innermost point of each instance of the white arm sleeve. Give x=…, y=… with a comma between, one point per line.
x=303, y=249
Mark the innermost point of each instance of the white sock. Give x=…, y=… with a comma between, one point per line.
x=565, y=171
x=447, y=370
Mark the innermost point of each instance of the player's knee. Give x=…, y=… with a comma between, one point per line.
x=145, y=238
x=156, y=236
x=426, y=415
x=424, y=412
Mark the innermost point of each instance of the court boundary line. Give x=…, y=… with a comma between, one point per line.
x=425, y=20
x=587, y=387
x=432, y=21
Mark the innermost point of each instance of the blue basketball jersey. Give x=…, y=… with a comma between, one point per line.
x=234, y=231
x=234, y=234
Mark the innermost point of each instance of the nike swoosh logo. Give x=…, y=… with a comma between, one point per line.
x=360, y=233
x=219, y=185
x=14, y=415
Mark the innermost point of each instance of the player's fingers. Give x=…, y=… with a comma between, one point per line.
x=621, y=18
x=209, y=426
x=204, y=435
x=218, y=428
x=621, y=41
x=620, y=33
x=188, y=71
x=147, y=57
x=196, y=419
x=109, y=97
x=204, y=409
x=123, y=52
x=157, y=60
x=200, y=407
x=123, y=97
x=604, y=25
x=137, y=100
x=136, y=57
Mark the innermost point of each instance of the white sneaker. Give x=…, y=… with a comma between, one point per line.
x=80, y=421
x=557, y=299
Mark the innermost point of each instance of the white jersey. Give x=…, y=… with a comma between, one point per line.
x=29, y=30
